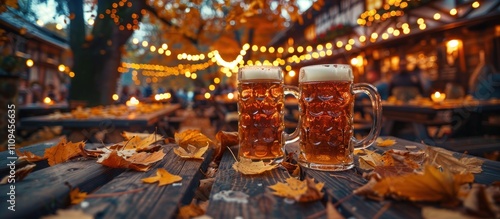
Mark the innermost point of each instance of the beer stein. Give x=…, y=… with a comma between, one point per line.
x=326, y=105
x=261, y=125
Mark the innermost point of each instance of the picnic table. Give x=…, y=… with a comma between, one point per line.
x=44, y=191
x=85, y=129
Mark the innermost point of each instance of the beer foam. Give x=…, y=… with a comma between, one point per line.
x=327, y=72
x=260, y=72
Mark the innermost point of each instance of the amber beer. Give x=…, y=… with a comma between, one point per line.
x=261, y=113
x=326, y=117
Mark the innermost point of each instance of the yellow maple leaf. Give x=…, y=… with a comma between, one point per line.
x=385, y=143
x=30, y=157
x=248, y=167
x=140, y=161
x=192, y=152
x=302, y=191
x=63, y=151
x=163, y=177
x=139, y=140
x=76, y=196
x=191, y=137
x=433, y=185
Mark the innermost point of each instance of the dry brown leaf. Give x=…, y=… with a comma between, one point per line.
x=301, y=191
x=332, y=213
x=433, y=185
x=223, y=141
x=163, y=177
x=139, y=141
x=191, y=137
x=28, y=156
x=145, y=158
x=63, y=151
x=482, y=201
x=369, y=160
x=114, y=160
x=191, y=153
x=190, y=211
x=441, y=157
x=247, y=167
x=76, y=196
x=20, y=174
x=69, y=213
x=385, y=143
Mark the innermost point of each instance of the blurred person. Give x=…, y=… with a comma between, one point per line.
x=405, y=85
x=124, y=95
x=148, y=90
x=373, y=77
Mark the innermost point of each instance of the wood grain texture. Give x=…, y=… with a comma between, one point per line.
x=45, y=191
x=153, y=201
x=260, y=204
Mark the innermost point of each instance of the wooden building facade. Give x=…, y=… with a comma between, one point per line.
x=448, y=40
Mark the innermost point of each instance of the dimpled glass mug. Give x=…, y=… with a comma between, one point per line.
x=326, y=106
x=261, y=113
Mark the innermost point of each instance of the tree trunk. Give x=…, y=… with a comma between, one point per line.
x=98, y=55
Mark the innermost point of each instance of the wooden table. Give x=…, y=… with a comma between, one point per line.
x=465, y=118
x=84, y=129
x=44, y=190
x=40, y=109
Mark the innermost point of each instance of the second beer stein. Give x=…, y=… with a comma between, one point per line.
x=326, y=106
x=261, y=127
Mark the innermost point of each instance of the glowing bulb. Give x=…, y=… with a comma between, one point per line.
x=115, y=97
x=29, y=62
x=47, y=100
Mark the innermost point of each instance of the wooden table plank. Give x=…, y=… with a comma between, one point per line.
x=259, y=205
x=45, y=191
x=116, y=122
x=153, y=201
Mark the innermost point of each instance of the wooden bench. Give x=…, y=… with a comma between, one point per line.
x=45, y=190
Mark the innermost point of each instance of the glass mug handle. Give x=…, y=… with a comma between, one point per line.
x=371, y=91
x=294, y=136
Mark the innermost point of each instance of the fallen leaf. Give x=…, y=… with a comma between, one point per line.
x=139, y=141
x=190, y=211
x=139, y=161
x=441, y=157
x=482, y=201
x=332, y=213
x=370, y=160
x=191, y=137
x=223, y=141
x=301, y=191
x=385, y=143
x=69, y=213
x=163, y=177
x=28, y=156
x=20, y=174
x=433, y=185
x=248, y=167
x=145, y=158
x=193, y=152
x=76, y=196
x=63, y=151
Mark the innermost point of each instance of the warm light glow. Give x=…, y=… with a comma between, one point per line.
x=90, y=21
x=452, y=44
x=354, y=61
x=39, y=22
x=71, y=74
x=61, y=68
x=216, y=80
x=115, y=97
x=157, y=97
x=453, y=11
x=437, y=16
x=135, y=41
x=211, y=87
x=47, y=100
x=29, y=62
x=59, y=26
x=438, y=97
x=133, y=102
x=207, y=95
x=291, y=73
x=230, y=96
x=476, y=4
